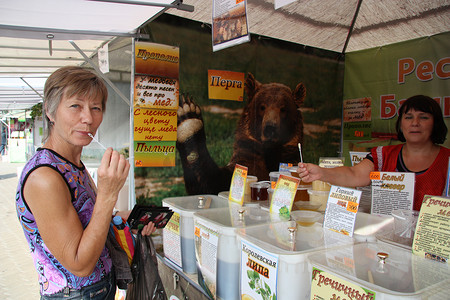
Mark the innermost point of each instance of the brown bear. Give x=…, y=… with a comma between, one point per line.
x=268, y=133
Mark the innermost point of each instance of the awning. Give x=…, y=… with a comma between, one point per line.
x=35, y=35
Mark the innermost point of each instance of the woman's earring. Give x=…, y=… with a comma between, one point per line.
x=52, y=123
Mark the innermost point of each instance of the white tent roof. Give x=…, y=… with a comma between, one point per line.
x=341, y=26
x=34, y=39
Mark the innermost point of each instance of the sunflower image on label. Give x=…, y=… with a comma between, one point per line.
x=283, y=196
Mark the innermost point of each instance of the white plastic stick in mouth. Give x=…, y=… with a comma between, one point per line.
x=300, y=151
x=92, y=137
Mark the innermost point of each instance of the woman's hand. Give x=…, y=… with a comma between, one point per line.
x=147, y=230
x=112, y=174
x=309, y=172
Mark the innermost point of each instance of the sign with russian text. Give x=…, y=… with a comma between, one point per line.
x=172, y=239
x=155, y=102
x=328, y=286
x=206, y=237
x=387, y=76
x=342, y=206
x=157, y=60
x=432, y=236
x=283, y=196
x=155, y=124
x=154, y=154
x=237, y=187
x=331, y=162
x=357, y=157
x=226, y=85
x=391, y=191
x=155, y=92
x=258, y=272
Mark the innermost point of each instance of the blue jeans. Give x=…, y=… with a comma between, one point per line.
x=102, y=290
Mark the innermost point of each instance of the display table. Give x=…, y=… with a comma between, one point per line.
x=177, y=283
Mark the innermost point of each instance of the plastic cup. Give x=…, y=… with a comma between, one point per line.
x=259, y=190
x=305, y=218
x=405, y=225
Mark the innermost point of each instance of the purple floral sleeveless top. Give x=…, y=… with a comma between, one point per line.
x=53, y=277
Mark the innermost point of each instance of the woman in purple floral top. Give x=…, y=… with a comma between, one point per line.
x=65, y=218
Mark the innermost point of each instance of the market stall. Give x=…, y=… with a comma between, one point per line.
x=337, y=108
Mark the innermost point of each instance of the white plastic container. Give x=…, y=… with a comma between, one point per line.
x=217, y=249
x=402, y=275
x=369, y=226
x=292, y=275
x=319, y=198
x=178, y=235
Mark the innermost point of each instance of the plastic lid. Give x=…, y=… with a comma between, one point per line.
x=191, y=203
x=386, y=269
x=117, y=220
x=224, y=218
x=275, y=238
x=314, y=192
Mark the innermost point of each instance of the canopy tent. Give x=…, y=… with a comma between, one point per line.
x=34, y=34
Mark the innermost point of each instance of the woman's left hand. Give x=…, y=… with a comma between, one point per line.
x=147, y=230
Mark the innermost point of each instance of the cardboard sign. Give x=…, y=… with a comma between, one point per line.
x=226, y=85
x=258, y=272
x=391, y=191
x=331, y=162
x=432, y=236
x=342, y=206
x=237, y=188
x=327, y=286
x=283, y=196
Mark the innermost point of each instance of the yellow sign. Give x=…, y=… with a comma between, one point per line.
x=155, y=125
x=283, y=196
x=327, y=286
x=174, y=223
x=154, y=154
x=432, y=233
x=156, y=92
x=155, y=102
x=157, y=60
x=226, y=85
x=237, y=188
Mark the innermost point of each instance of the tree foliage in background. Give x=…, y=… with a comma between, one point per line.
x=36, y=111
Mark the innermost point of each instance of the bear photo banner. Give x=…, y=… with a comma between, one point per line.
x=292, y=95
x=155, y=101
